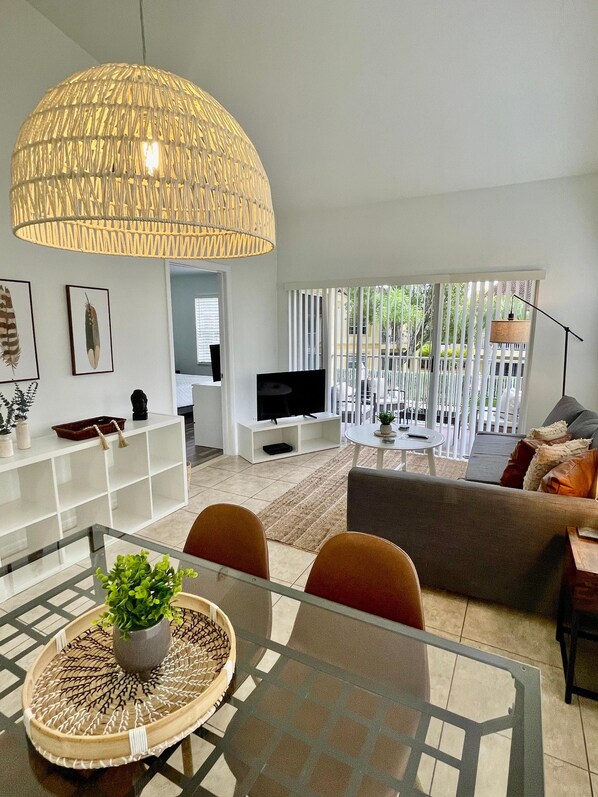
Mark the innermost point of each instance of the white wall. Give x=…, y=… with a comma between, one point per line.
x=551, y=224
x=34, y=55
x=184, y=289
x=254, y=327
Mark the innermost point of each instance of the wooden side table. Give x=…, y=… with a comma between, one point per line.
x=578, y=602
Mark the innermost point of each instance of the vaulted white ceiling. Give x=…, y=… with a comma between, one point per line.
x=359, y=101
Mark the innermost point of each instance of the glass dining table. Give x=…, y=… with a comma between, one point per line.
x=325, y=700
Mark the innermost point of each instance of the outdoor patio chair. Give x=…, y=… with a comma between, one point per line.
x=504, y=414
x=368, y=398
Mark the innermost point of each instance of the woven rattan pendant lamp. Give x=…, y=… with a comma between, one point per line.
x=131, y=160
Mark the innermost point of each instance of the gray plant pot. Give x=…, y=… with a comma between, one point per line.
x=142, y=650
x=385, y=428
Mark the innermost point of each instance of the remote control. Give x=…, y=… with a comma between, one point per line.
x=419, y=436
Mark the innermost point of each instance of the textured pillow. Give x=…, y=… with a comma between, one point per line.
x=575, y=477
x=566, y=409
x=585, y=425
x=520, y=459
x=548, y=457
x=546, y=433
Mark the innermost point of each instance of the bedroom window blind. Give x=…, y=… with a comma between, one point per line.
x=207, y=326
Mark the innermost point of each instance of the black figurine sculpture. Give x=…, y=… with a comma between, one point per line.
x=139, y=402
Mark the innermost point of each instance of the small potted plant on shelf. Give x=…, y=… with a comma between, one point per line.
x=386, y=419
x=139, y=600
x=7, y=424
x=23, y=402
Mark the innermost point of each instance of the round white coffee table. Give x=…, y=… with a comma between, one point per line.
x=363, y=435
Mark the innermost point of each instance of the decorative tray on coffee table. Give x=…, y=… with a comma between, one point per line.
x=81, y=710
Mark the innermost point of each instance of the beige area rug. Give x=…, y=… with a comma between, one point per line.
x=316, y=509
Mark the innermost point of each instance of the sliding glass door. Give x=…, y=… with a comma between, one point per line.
x=480, y=385
x=421, y=351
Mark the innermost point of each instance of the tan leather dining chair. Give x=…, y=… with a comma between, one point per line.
x=368, y=573
x=372, y=575
x=232, y=536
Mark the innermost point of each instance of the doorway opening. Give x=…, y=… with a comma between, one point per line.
x=197, y=330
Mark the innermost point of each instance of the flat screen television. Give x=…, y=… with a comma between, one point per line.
x=288, y=393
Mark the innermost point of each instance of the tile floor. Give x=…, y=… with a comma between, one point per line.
x=570, y=731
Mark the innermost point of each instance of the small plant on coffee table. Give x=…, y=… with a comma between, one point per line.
x=386, y=418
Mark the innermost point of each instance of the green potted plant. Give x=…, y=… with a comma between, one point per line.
x=23, y=401
x=7, y=424
x=386, y=419
x=139, y=600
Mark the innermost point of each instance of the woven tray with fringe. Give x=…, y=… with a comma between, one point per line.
x=85, y=429
x=81, y=710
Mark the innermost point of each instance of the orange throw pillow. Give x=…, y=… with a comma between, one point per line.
x=575, y=477
x=521, y=457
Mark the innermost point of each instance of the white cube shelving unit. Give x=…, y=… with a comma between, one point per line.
x=305, y=435
x=58, y=487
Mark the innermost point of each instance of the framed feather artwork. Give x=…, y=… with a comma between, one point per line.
x=18, y=352
x=90, y=330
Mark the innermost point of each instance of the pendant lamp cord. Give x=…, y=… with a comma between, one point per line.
x=142, y=30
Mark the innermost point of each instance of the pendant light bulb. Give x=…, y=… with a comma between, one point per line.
x=151, y=155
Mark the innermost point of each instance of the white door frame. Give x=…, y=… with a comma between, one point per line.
x=229, y=441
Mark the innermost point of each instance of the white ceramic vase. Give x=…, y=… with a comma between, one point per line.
x=6, y=447
x=385, y=428
x=23, y=435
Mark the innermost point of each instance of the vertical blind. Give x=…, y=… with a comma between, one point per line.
x=420, y=351
x=480, y=385
x=207, y=326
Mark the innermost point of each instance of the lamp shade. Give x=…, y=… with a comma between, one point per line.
x=131, y=160
x=510, y=331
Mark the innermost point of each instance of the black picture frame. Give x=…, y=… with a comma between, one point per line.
x=90, y=330
x=18, y=347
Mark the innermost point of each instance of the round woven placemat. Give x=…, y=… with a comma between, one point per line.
x=84, y=692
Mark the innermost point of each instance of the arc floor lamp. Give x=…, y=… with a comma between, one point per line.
x=518, y=331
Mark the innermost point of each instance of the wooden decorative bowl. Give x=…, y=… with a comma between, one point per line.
x=81, y=710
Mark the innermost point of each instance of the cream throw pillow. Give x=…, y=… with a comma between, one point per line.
x=556, y=429
x=548, y=457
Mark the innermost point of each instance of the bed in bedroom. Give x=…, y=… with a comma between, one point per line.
x=184, y=387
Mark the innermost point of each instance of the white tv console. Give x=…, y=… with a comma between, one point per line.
x=58, y=487
x=305, y=435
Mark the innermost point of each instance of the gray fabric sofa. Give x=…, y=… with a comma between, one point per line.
x=474, y=536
